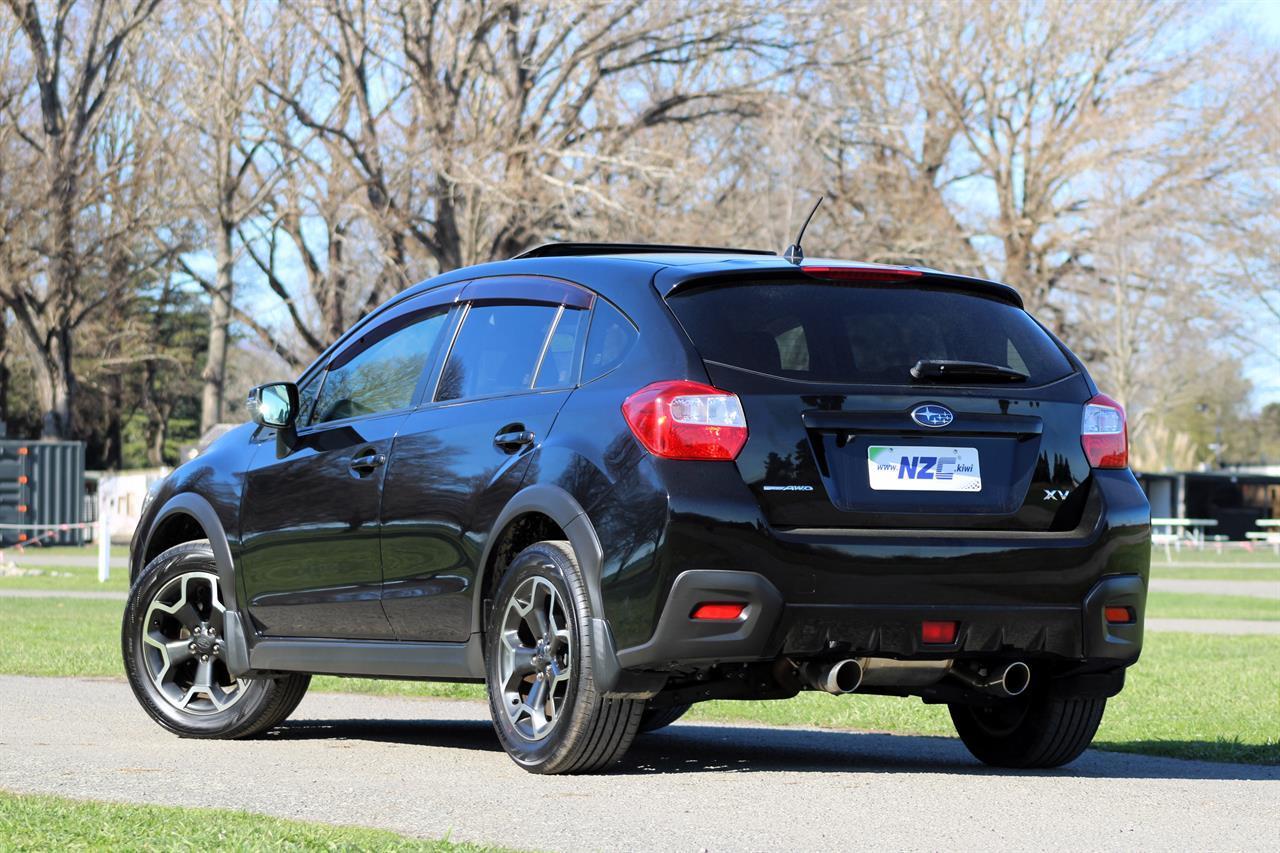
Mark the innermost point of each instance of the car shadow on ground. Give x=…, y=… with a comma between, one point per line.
x=745, y=749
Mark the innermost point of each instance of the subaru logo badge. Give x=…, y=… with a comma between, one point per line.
x=931, y=415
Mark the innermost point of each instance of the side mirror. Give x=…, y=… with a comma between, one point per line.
x=274, y=404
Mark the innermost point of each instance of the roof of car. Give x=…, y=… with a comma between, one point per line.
x=682, y=264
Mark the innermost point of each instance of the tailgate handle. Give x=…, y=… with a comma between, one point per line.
x=964, y=424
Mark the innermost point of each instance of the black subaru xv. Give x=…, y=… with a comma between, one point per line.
x=610, y=481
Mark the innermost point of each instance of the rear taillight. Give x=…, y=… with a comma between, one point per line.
x=687, y=420
x=1104, y=435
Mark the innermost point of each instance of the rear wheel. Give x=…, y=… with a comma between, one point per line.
x=174, y=643
x=659, y=718
x=547, y=710
x=1036, y=730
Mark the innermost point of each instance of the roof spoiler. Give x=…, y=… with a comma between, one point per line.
x=561, y=250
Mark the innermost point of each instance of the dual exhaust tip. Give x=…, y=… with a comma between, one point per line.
x=847, y=675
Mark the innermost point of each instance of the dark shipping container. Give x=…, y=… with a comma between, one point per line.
x=42, y=485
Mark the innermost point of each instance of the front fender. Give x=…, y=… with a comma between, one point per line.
x=196, y=507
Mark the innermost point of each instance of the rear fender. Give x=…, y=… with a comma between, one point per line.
x=565, y=511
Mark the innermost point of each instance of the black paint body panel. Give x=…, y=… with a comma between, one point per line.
x=399, y=555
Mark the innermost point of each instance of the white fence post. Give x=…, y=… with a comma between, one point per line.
x=104, y=542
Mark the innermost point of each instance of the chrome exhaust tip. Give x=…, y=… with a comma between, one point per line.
x=1016, y=678
x=842, y=676
x=1010, y=679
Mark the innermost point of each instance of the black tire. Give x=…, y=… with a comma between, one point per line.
x=1037, y=730
x=587, y=731
x=189, y=572
x=659, y=718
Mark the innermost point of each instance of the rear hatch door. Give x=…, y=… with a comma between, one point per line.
x=984, y=435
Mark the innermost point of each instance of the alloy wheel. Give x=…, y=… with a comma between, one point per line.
x=183, y=646
x=536, y=658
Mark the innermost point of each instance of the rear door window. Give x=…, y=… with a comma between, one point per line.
x=497, y=351
x=855, y=334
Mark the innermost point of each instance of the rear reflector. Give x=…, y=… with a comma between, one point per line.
x=855, y=273
x=938, y=632
x=1119, y=615
x=1104, y=434
x=718, y=611
x=680, y=419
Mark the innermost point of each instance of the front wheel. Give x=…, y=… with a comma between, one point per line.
x=1036, y=730
x=547, y=710
x=174, y=644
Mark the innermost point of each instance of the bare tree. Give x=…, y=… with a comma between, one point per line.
x=992, y=122
x=450, y=133
x=76, y=60
x=226, y=174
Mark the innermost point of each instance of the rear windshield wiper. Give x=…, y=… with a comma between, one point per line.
x=941, y=370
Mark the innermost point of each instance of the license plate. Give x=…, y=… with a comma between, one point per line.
x=924, y=469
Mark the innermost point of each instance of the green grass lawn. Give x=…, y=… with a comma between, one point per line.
x=29, y=822
x=66, y=551
x=1191, y=696
x=71, y=578
x=1224, y=572
x=66, y=578
x=1187, y=605
x=60, y=636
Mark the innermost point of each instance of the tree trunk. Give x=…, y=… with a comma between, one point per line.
x=4, y=375
x=157, y=434
x=113, y=433
x=157, y=418
x=55, y=386
x=215, y=368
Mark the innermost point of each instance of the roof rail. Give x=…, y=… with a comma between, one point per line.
x=558, y=250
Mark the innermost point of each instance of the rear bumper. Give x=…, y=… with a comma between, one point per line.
x=769, y=627
x=826, y=592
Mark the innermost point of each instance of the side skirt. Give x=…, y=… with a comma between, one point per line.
x=373, y=658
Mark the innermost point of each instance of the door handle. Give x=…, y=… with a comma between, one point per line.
x=511, y=438
x=367, y=462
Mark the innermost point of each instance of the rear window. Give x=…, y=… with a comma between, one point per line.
x=496, y=351
x=838, y=333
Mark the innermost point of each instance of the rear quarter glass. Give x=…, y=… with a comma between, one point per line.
x=842, y=333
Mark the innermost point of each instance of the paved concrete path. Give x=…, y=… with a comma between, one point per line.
x=1253, y=589
x=433, y=767
x=108, y=595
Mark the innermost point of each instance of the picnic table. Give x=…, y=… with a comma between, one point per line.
x=1270, y=537
x=1172, y=532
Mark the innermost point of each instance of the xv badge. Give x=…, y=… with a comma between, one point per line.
x=1056, y=494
